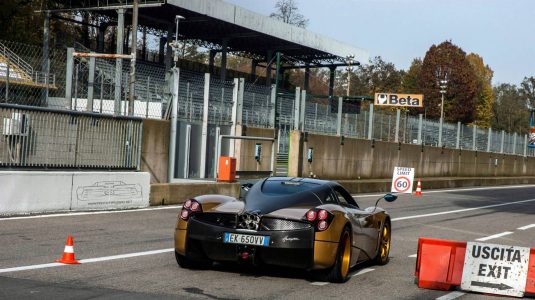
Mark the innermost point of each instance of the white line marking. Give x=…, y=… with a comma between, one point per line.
x=363, y=271
x=451, y=295
x=526, y=227
x=320, y=283
x=72, y=214
x=458, y=190
x=89, y=260
x=413, y=255
x=494, y=236
x=460, y=210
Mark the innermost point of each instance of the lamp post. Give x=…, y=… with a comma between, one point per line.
x=442, y=81
x=175, y=44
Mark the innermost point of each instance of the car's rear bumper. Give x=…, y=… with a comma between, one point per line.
x=290, y=248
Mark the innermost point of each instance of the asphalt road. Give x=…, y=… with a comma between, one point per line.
x=117, y=262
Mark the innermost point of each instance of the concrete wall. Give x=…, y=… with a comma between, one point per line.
x=245, y=150
x=361, y=159
x=155, y=149
x=175, y=193
x=24, y=192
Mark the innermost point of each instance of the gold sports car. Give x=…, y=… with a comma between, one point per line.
x=293, y=222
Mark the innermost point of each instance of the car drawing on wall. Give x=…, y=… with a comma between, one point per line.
x=292, y=222
x=115, y=190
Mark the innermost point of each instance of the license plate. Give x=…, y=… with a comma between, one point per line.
x=246, y=239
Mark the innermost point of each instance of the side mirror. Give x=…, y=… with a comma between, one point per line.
x=390, y=197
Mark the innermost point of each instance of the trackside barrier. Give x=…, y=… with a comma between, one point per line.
x=439, y=265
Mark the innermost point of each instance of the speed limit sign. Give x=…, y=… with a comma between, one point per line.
x=402, y=180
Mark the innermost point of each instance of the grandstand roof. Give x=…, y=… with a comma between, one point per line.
x=212, y=21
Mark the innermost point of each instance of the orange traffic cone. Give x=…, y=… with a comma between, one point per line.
x=68, y=253
x=418, y=188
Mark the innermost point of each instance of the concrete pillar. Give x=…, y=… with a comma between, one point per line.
x=370, y=123
x=224, y=59
x=339, y=117
x=420, y=128
x=525, y=145
x=503, y=141
x=241, y=92
x=396, y=133
x=489, y=140
x=331, y=81
x=204, y=136
x=90, y=85
x=118, y=61
x=302, y=110
x=269, y=63
x=273, y=103
x=474, y=138
x=458, y=140
x=68, y=76
x=234, y=115
x=295, y=156
x=297, y=108
x=174, y=81
x=514, y=144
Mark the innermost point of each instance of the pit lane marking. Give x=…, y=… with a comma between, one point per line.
x=89, y=260
x=320, y=283
x=526, y=227
x=494, y=236
x=413, y=255
x=452, y=295
x=460, y=210
x=363, y=271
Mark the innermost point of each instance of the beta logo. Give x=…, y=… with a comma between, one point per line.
x=402, y=100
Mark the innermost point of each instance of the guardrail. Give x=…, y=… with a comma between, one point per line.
x=42, y=138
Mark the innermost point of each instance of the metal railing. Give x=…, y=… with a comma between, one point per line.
x=35, y=137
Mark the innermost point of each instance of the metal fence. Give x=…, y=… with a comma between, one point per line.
x=34, y=137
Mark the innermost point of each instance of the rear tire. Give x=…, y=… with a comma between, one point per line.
x=187, y=263
x=383, y=252
x=339, y=273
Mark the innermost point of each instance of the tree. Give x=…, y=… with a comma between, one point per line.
x=510, y=111
x=527, y=91
x=379, y=76
x=288, y=12
x=485, y=94
x=409, y=82
x=459, y=100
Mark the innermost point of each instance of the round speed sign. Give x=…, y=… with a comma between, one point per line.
x=402, y=184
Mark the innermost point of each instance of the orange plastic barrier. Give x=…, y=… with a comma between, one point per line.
x=440, y=265
x=227, y=169
x=530, y=282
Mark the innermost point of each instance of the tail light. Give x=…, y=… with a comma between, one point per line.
x=190, y=207
x=320, y=218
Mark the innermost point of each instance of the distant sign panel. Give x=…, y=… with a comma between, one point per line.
x=401, y=100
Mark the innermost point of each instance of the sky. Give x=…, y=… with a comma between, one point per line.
x=500, y=31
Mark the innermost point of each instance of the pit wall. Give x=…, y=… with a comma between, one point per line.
x=155, y=149
x=27, y=192
x=368, y=159
x=245, y=149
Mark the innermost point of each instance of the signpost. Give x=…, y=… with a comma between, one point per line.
x=399, y=100
x=402, y=180
x=495, y=269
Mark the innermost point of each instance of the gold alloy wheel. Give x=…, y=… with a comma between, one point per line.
x=346, y=256
x=385, y=242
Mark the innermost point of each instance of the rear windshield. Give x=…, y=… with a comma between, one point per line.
x=276, y=187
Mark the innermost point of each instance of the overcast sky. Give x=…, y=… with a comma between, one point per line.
x=501, y=31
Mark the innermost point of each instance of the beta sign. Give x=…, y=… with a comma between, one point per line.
x=403, y=100
x=402, y=180
x=495, y=269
